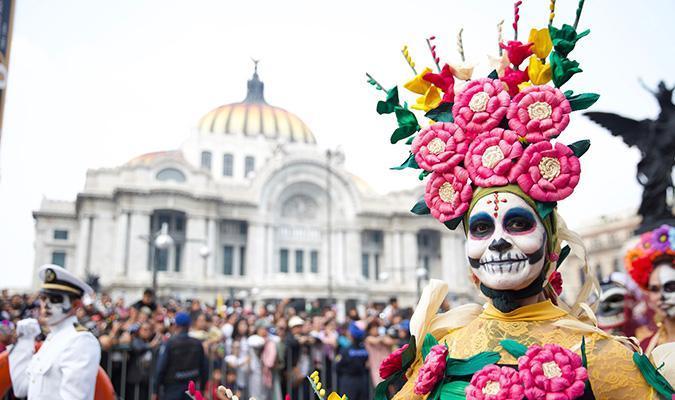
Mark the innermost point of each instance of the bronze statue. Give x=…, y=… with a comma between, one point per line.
x=656, y=141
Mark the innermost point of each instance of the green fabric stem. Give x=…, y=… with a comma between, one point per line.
x=652, y=376
x=514, y=348
x=462, y=367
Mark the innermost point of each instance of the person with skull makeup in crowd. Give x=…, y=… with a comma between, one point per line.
x=494, y=165
x=66, y=364
x=650, y=264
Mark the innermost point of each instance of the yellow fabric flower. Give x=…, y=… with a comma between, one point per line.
x=539, y=72
x=430, y=100
x=542, y=42
x=334, y=396
x=523, y=85
x=418, y=84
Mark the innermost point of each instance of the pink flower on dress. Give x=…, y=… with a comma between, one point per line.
x=440, y=147
x=432, y=371
x=480, y=106
x=393, y=363
x=552, y=372
x=448, y=194
x=539, y=113
x=547, y=172
x=491, y=156
x=495, y=383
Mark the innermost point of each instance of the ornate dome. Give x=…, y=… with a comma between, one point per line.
x=253, y=117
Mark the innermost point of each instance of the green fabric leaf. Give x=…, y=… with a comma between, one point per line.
x=408, y=163
x=545, y=208
x=514, y=348
x=429, y=342
x=453, y=223
x=408, y=356
x=493, y=74
x=436, y=393
x=442, y=113
x=564, y=252
x=582, y=101
x=420, y=208
x=453, y=390
x=652, y=376
x=568, y=93
x=410, y=140
x=390, y=104
x=468, y=366
x=584, y=360
x=407, y=124
x=381, y=389
x=423, y=175
x=562, y=69
x=581, y=147
x=565, y=38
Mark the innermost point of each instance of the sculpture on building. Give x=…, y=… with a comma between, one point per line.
x=496, y=161
x=656, y=141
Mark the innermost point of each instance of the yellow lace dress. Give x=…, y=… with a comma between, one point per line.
x=612, y=373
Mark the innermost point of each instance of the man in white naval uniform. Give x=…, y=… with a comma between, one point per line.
x=65, y=367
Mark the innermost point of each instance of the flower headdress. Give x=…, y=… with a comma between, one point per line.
x=497, y=131
x=652, y=247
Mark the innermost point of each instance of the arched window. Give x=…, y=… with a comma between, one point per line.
x=167, y=259
x=171, y=174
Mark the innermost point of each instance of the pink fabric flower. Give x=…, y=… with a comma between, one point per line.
x=495, y=383
x=448, y=194
x=556, y=282
x=547, y=172
x=444, y=81
x=393, y=363
x=539, y=113
x=514, y=77
x=491, y=156
x=440, y=147
x=517, y=51
x=432, y=370
x=552, y=372
x=480, y=106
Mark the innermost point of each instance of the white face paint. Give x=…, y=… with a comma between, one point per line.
x=506, y=242
x=55, y=308
x=662, y=287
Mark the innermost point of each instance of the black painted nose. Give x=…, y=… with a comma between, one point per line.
x=500, y=245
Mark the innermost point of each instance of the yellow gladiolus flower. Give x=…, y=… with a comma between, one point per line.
x=334, y=396
x=430, y=100
x=542, y=42
x=539, y=72
x=322, y=392
x=418, y=84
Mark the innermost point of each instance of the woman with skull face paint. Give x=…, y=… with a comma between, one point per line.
x=650, y=264
x=496, y=167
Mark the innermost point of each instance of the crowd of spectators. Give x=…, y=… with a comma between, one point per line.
x=261, y=350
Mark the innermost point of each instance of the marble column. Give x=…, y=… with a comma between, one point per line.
x=121, y=242
x=212, y=240
x=82, y=243
x=138, y=244
x=255, y=252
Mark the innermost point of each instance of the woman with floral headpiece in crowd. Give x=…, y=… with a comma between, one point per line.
x=650, y=264
x=496, y=162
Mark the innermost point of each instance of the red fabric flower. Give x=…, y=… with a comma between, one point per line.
x=517, y=51
x=514, y=77
x=444, y=81
x=556, y=282
x=393, y=363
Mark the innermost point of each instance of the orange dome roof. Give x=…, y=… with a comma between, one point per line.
x=254, y=117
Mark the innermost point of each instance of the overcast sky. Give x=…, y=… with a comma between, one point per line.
x=93, y=84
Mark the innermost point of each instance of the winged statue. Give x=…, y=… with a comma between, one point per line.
x=656, y=141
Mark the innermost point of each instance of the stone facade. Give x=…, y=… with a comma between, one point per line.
x=255, y=209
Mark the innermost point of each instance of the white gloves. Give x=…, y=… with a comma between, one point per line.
x=28, y=328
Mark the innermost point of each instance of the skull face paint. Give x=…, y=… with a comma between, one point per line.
x=55, y=308
x=506, y=242
x=662, y=288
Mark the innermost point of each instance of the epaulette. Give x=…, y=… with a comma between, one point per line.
x=80, y=327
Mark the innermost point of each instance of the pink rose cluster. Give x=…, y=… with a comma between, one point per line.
x=432, y=371
x=548, y=372
x=479, y=148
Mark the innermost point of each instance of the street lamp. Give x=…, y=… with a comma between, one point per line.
x=162, y=241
